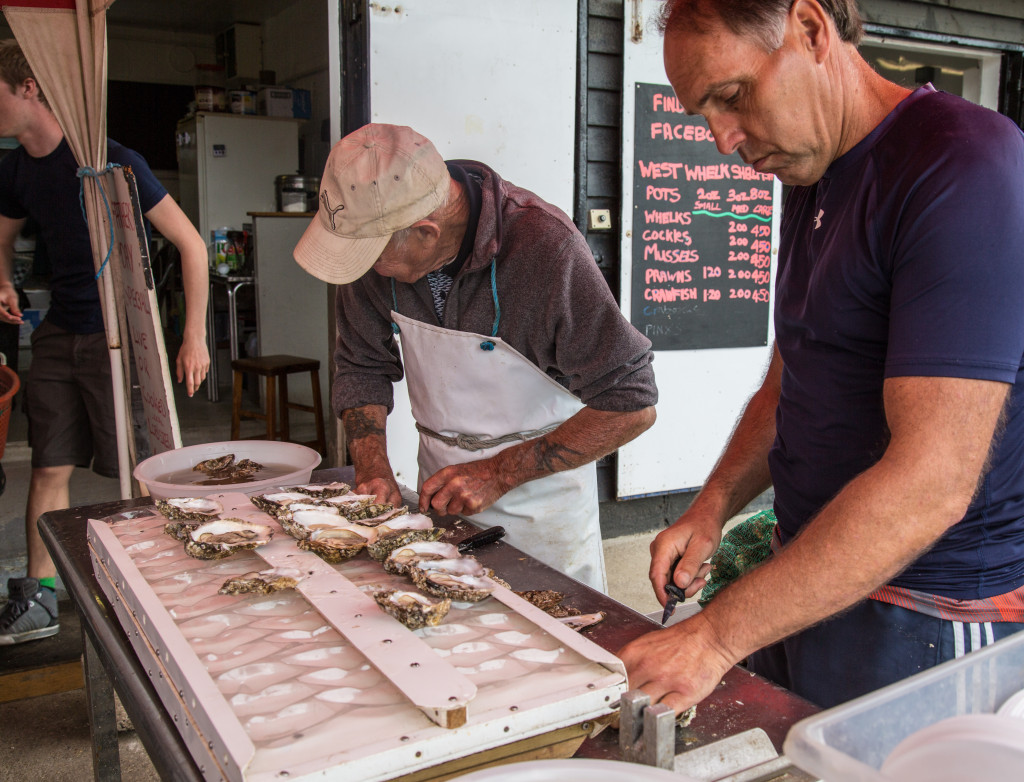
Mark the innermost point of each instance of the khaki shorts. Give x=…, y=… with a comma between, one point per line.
x=69, y=401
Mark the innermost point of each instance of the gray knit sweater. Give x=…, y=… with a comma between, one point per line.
x=556, y=309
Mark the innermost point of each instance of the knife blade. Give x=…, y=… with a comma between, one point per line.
x=481, y=538
x=675, y=595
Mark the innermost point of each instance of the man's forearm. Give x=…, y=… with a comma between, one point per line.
x=584, y=438
x=366, y=434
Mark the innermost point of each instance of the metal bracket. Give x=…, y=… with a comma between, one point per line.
x=647, y=734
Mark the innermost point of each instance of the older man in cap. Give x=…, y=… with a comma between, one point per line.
x=521, y=368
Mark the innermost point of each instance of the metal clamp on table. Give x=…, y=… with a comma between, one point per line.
x=232, y=284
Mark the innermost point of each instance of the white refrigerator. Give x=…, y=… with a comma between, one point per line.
x=228, y=164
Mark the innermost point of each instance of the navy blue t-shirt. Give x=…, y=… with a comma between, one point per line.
x=906, y=259
x=47, y=189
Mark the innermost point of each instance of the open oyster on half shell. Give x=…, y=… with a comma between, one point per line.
x=403, y=558
x=336, y=544
x=413, y=609
x=261, y=582
x=222, y=538
x=397, y=532
x=275, y=503
x=301, y=519
x=189, y=508
x=373, y=514
x=461, y=578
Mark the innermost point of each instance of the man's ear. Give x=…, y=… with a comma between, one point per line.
x=426, y=231
x=812, y=22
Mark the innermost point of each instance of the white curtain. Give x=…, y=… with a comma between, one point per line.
x=65, y=43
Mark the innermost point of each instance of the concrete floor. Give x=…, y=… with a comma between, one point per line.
x=47, y=737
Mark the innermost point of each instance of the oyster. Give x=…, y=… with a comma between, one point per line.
x=217, y=464
x=464, y=587
x=275, y=502
x=403, y=558
x=460, y=578
x=400, y=531
x=190, y=508
x=373, y=514
x=350, y=500
x=337, y=544
x=301, y=519
x=223, y=469
x=324, y=490
x=221, y=538
x=262, y=582
x=411, y=608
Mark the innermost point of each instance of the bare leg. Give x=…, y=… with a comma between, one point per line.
x=48, y=490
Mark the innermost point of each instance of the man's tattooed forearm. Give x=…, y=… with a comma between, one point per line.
x=358, y=425
x=554, y=457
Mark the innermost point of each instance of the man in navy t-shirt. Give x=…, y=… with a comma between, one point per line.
x=68, y=392
x=889, y=421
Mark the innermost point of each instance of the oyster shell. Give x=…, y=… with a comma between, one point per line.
x=403, y=558
x=457, y=586
x=337, y=544
x=262, y=582
x=224, y=469
x=274, y=502
x=460, y=578
x=324, y=490
x=400, y=531
x=221, y=538
x=217, y=464
x=375, y=513
x=411, y=608
x=190, y=508
x=350, y=501
x=301, y=519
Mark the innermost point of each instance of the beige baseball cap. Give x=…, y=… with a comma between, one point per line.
x=378, y=180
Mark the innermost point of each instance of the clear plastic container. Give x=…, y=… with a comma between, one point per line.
x=850, y=742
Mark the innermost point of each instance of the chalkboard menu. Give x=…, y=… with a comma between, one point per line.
x=701, y=233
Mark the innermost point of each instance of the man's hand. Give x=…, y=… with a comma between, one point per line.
x=464, y=489
x=678, y=666
x=9, y=310
x=680, y=551
x=192, y=364
x=385, y=489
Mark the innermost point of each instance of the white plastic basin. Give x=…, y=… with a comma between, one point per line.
x=290, y=464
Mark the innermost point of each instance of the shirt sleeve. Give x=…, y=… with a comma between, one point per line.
x=958, y=269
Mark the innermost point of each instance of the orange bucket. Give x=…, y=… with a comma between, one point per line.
x=9, y=385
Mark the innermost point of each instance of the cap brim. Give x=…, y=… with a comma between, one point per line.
x=336, y=259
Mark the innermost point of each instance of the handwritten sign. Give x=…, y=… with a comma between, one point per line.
x=701, y=233
x=136, y=299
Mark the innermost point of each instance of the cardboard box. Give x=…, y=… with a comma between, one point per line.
x=302, y=104
x=31, y=318
x=274, y=102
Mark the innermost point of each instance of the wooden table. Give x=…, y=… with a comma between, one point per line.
x=741, y=702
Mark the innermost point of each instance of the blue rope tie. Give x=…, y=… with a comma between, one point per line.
x=394, y=300
x=487, y=344
x=83, y=172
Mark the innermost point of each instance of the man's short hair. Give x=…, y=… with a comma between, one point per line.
x=14, y=68
x=762, y=20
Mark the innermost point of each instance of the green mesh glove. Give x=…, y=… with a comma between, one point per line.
x=744, y=546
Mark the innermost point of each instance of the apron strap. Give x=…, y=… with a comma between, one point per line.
x=470, y=442
x=394, y=301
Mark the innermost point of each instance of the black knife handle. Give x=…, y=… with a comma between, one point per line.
x=481, y=538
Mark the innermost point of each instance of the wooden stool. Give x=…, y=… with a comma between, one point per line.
x=276, y=370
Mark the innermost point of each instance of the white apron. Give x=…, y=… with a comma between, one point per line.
x=456, y=387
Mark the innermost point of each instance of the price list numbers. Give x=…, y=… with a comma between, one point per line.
x=701, y=233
